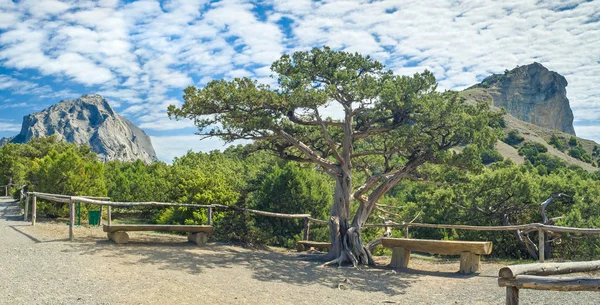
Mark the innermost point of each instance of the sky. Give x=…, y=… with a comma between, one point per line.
x=140, y=55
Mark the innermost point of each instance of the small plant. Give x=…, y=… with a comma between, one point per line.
x=513, y=138
x=579, y=153
x=573, y=141
x=489, y=156
x=558, y=142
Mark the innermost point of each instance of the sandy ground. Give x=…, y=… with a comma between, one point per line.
x=38, y=265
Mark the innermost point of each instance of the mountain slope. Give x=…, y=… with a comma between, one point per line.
x=537, y=108
x=89, y=120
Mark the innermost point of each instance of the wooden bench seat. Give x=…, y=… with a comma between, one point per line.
x=469, y=251
x=303, y=245
x=196, y=234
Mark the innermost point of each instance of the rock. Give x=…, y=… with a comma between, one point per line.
x=89, y=120
x=532, y=94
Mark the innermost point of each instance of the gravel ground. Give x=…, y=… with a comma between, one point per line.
x=38, y=265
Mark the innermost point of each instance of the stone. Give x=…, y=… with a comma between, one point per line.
x=533, y=94
x=89, y=120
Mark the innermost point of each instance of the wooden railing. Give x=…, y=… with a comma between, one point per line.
x=104, y=201
x=6, y=187
x=535, y=276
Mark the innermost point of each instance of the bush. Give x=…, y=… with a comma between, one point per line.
x=579, y=153
x=513, y=138
x=489, y=156
x=290, y=189
x=558, y=142
x=573, y=141
x=531, y=150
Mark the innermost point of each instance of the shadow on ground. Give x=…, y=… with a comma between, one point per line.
x=266, y=266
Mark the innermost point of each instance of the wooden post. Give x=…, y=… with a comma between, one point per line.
x=306, y=228
x=109, y=216
x=26, y=206
x=406, y=232
x=6, y=190
x=400, y=257
x=512, y=295
x=33, y=210
x=71, y=220
x=542, y=241
x=209, y=215
x=469, y=263
x=100, y=220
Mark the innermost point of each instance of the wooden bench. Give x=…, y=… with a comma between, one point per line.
x=196, y=234
x=469, y=251
x=303, y=245
x=534, y=276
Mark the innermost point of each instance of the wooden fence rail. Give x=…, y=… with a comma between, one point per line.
x=103, y=201
x=539, y=277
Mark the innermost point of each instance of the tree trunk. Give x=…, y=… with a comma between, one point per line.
x=346, y=240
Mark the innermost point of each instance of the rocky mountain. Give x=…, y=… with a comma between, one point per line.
x=537, y=110
x=532, y=94
x=89, y=120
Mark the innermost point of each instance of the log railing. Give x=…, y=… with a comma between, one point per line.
x=6, y=187
x=104, y=201
x=541, y=228
x=535, y=276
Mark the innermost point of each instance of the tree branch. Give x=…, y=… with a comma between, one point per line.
x=308, y=152
x=332, y=145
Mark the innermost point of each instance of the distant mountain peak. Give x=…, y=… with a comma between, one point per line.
x=89, y=120
x=533, y=94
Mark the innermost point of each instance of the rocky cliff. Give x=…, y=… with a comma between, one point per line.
x=89, y=120
x=532, y=94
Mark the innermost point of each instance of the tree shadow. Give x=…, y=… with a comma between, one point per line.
x=266, y=266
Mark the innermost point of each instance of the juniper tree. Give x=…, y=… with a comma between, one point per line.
x=388, y=125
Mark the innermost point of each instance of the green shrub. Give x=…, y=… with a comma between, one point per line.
x=579, y=153
x=573, y=141
x=558, y=142
x=513, y=138
x=489, y=156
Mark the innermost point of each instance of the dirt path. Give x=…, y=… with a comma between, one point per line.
x=38, y=265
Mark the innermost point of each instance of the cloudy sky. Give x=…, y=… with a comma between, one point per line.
x=140, y=55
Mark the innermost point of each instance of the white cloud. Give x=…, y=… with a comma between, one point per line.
x=140, y=54
x=588, y=132
x=8, y=126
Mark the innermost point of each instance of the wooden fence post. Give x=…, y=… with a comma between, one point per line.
x=100, y=220
x=306, y=228
x=26, y=206
x=406, y=232
x=542, y=241
x=71, y=219
x=109, y=216
x=6, y=190
x=512, y=295
x=209, y=215
x=33, y=210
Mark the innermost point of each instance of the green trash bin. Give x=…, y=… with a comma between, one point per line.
x=94, y=218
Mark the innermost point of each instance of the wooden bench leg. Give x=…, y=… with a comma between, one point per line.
x=199, y=239
x=119, y=237
x=469, y=263
x=300, y=247
x=400, y=257
x=512, y=296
